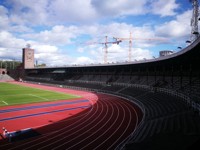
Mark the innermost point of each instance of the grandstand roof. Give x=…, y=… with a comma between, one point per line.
x=188, y=55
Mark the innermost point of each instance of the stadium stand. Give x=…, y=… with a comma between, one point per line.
x=168, y=89
x=6, y=77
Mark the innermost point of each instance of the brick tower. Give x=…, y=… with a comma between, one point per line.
x=28, y=57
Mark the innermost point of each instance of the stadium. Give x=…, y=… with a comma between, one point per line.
x=151, y=104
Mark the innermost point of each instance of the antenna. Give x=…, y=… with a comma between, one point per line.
x=194, y=20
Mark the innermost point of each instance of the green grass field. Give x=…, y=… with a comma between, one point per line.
x=11, y=94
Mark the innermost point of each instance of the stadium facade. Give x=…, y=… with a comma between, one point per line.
x=166, y=88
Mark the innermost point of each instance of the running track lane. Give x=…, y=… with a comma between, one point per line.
x=39, y=121
x=40, y=114
x=40, y=108
x=104, y=126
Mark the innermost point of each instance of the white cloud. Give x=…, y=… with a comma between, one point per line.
x=83, y=60
x=139, y=54
x=80, y=49
x=58, y=35
x=164, y=8
x=11, y=54
x=121, y=54
x=52, y=59
x=29, y=12
x=9, y=41
x=50, y=55
x=117, y=53
x=178, y=28
x=4, y=21
x=56, y=28
x=119, y=7
x=11, y=47
x=19, y=29
x=45, y=48
x=46, y=43
x=143, y=36
x=121, y=30
x=62, y=35
x=48, y=12
x=51, y=13
x=74, y=11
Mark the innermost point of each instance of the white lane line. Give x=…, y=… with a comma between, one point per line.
x=78, y=129
x=62, y=131
x=125, y=104
x=54, y=133
x=95, y=126
x=136, y=124
x=114, y=112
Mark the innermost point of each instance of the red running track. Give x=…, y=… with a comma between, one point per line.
x=104, y=125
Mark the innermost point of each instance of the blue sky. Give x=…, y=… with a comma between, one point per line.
x=65, y=32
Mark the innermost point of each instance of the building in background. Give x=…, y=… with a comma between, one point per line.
x=165, y=53
x=28, y=57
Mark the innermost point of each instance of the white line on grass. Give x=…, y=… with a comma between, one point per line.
x=48, y=90
x=10, y=95
x=39, y=97
x=5, y=102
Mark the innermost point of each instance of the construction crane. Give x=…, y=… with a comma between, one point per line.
x=130, y=44
x=194, y=21
x=106, y=46
x=130, y=39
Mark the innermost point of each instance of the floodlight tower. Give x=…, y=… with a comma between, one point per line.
x=194, y=20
